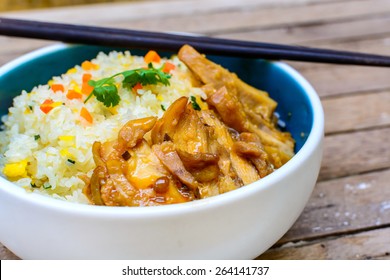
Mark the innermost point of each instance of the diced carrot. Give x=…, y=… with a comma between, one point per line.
x=168, y=67
x=47, y=101
x=152, y=56
x=72, y=94
x=57, y=87
x=86, y=77
x=137, y=86
x=86, y=88
x=84, y=113
x=46, y=106
x=88, y=65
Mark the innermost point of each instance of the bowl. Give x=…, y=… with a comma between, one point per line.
x=240, y=224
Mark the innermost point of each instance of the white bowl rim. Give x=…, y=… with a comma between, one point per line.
x=312, y=142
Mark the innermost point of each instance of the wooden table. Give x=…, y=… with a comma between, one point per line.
x=348, y=214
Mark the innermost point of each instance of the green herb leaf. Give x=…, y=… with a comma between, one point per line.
x=106, y=91
x=107, y=94
x=195, y=104
x=37, y=137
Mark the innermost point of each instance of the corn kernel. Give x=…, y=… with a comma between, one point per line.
x=71, y=71
x=16, y=169
x=56, y=104
x=75, y=86
x=66, y=138
x=66, y=153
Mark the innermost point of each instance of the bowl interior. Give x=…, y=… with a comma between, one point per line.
x=294, y=106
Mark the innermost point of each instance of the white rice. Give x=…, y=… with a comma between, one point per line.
x=63, y=135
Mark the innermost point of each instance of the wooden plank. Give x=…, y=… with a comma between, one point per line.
x=356, y=112
x=317, y=32
x=367, y=245
x=151, y=10
x=331, y=80
x=336, y=80
x=344, y=205
x=260, y=17
x=210, y=16
x=354, y=153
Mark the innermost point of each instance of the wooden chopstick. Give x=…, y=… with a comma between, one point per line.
x=84, y=34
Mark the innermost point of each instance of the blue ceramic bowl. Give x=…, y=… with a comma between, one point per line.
x=240, y=224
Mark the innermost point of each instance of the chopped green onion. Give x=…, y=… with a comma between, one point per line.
x=195, y=104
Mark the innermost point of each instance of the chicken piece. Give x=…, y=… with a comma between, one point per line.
x=116, y=189
x=250, y=147
x=191, y=139
x=240, y=105
x=229, y=108
x=208, y=72
x=168, y=156
x=217, y=76
x=254, y=100
x=191, y=135
x=133, y=132
x=164, y=129
x=137, y=179
x=145, y=171
x=235, y=165
x=108, y=185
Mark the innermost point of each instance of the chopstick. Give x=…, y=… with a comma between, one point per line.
x=115, y=37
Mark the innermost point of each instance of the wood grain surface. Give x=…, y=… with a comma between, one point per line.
x=348, y=214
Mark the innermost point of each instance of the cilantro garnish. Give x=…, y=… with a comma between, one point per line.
x=106, y=91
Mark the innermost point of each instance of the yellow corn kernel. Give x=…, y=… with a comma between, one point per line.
x=75, y=86
x=16, y=169
x=50, y=82
x=71, y=71
x=66, y=153
x=160, y=98
x=56, y=104
x=67, y=138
